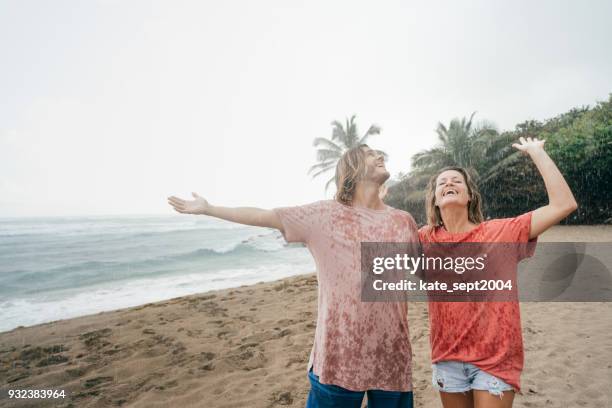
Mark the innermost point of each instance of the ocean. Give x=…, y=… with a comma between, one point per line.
x=62, y=267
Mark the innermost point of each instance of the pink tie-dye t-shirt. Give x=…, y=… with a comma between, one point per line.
x=358, y=345
x=486, y=334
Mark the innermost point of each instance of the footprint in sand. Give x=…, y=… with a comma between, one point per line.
x=76, y=372
x=95, y=339
x=247, y=359
x=92, y=382
x=206, y=359
x=207, y=297
x=17, y=377
x=282, y=398
x=223, y=335
x=296, y=359
x=43, y=356
x=212, y=309
x=169, y=384
x=286, y=322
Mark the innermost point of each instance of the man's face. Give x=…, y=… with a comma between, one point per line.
x=375, y=166
x=451, y=189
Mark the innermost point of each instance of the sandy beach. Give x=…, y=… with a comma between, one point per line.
x=248, y=347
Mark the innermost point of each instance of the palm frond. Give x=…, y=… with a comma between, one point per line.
x=321, y=141
x=433, y=157
x=485, y=127
x=467, y=126
x=327, y=164
x=442, y=132
x=351, y=133
x=338, y=132
x=324, y=170
x=327, y=154
x=502, y=164
x=373, y=130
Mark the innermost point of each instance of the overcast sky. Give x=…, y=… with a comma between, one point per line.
x=108, y=107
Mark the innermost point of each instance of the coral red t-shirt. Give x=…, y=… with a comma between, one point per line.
x=486, y=334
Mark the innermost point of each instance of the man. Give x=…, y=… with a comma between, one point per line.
x=359, y=346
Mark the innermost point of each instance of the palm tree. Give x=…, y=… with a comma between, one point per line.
x=460, y=144
x=343, y=138
x=478, y=148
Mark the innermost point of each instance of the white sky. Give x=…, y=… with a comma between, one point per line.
x=108, y=107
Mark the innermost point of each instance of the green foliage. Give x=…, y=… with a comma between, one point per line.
x=580, y=143
x=462, y=143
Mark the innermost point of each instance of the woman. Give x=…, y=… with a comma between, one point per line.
x=477, y=348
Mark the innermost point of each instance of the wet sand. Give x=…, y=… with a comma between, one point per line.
x=248, y=347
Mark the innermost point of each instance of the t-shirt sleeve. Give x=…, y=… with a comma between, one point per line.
x=520, y=228
x=424, y=233
x=423, y=241
x=413, y=239
x=299, y=221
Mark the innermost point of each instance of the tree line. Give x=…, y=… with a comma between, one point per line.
x=579, y=141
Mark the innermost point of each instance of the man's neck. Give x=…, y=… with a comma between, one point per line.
x=456, y=220
x=367, y=196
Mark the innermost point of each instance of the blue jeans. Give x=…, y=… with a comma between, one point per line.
x=332, y=396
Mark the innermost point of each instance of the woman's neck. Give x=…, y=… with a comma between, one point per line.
x=456, y=220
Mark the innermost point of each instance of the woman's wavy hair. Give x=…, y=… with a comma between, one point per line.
x=350, y=169
x=434, y=218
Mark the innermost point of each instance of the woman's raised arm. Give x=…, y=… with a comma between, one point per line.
x=561, y=201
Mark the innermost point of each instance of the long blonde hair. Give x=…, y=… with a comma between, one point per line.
x=350, y=169
x=434, y=218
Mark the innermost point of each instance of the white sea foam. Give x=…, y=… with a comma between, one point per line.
x=57, y=268
x=67, y=304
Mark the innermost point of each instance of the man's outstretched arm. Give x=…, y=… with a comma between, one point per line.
x=241, y=215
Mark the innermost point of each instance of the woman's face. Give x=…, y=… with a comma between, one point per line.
x=451, y=189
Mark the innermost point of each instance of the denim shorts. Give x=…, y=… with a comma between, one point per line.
x=456, y=376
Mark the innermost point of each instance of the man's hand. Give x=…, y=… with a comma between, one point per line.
x=196, y=206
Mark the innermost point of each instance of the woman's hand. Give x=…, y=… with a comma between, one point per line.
x=529, y=145
x=196, y=206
